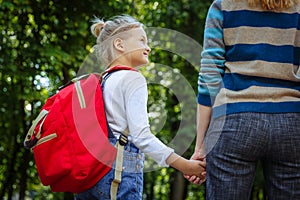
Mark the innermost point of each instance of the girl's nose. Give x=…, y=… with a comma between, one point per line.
x=148, y=49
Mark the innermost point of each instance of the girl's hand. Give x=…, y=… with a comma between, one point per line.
x=198, y=180
x=190, y=168
x=195, y=168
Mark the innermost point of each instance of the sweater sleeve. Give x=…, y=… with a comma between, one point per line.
x=212, y=57
x=136, y=97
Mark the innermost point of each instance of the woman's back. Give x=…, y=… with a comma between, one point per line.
x=261, y=53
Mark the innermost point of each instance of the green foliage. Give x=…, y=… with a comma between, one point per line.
x=44, y=43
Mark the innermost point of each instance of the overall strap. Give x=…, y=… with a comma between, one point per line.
x=123, y=140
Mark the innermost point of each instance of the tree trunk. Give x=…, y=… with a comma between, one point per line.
x=10, y=172
x=23, y=169
x=177, y=186
x=25, y=161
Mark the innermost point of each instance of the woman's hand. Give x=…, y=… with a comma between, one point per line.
x=200, y=156
x=196, y=171
x=187, y=167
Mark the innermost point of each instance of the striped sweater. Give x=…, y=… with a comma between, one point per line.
x=250, y=59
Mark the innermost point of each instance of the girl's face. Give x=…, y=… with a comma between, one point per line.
x=136, y=49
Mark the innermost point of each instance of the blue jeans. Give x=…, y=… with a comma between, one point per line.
x=131, y=186
x=237, y=142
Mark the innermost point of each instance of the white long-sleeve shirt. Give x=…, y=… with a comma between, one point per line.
x=125, y=96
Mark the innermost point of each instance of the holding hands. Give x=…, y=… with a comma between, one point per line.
x=196, y=178
x=190, y=168
x=203, y=121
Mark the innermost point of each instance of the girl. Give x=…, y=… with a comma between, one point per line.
x=122, y=41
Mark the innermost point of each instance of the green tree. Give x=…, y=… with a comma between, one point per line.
x=44, y=43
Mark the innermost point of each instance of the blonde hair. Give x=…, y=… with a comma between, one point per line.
x=105, y=32
x=273, y=4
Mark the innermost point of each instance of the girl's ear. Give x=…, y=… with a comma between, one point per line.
x=119, y=44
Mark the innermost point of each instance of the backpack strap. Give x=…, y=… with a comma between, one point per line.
x=117, y=68
x=122, y=141
x=31, y=139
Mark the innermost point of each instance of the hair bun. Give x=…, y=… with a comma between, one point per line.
x=97, y=27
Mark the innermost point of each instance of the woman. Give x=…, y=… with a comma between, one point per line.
x=249, y=98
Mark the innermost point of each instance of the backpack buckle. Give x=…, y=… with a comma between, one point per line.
x=29, y=143
x=123, y=140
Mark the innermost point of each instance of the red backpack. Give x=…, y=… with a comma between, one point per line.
x=69, y=138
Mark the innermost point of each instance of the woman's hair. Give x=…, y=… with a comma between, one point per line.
x=106, y=32
x=273, y=4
